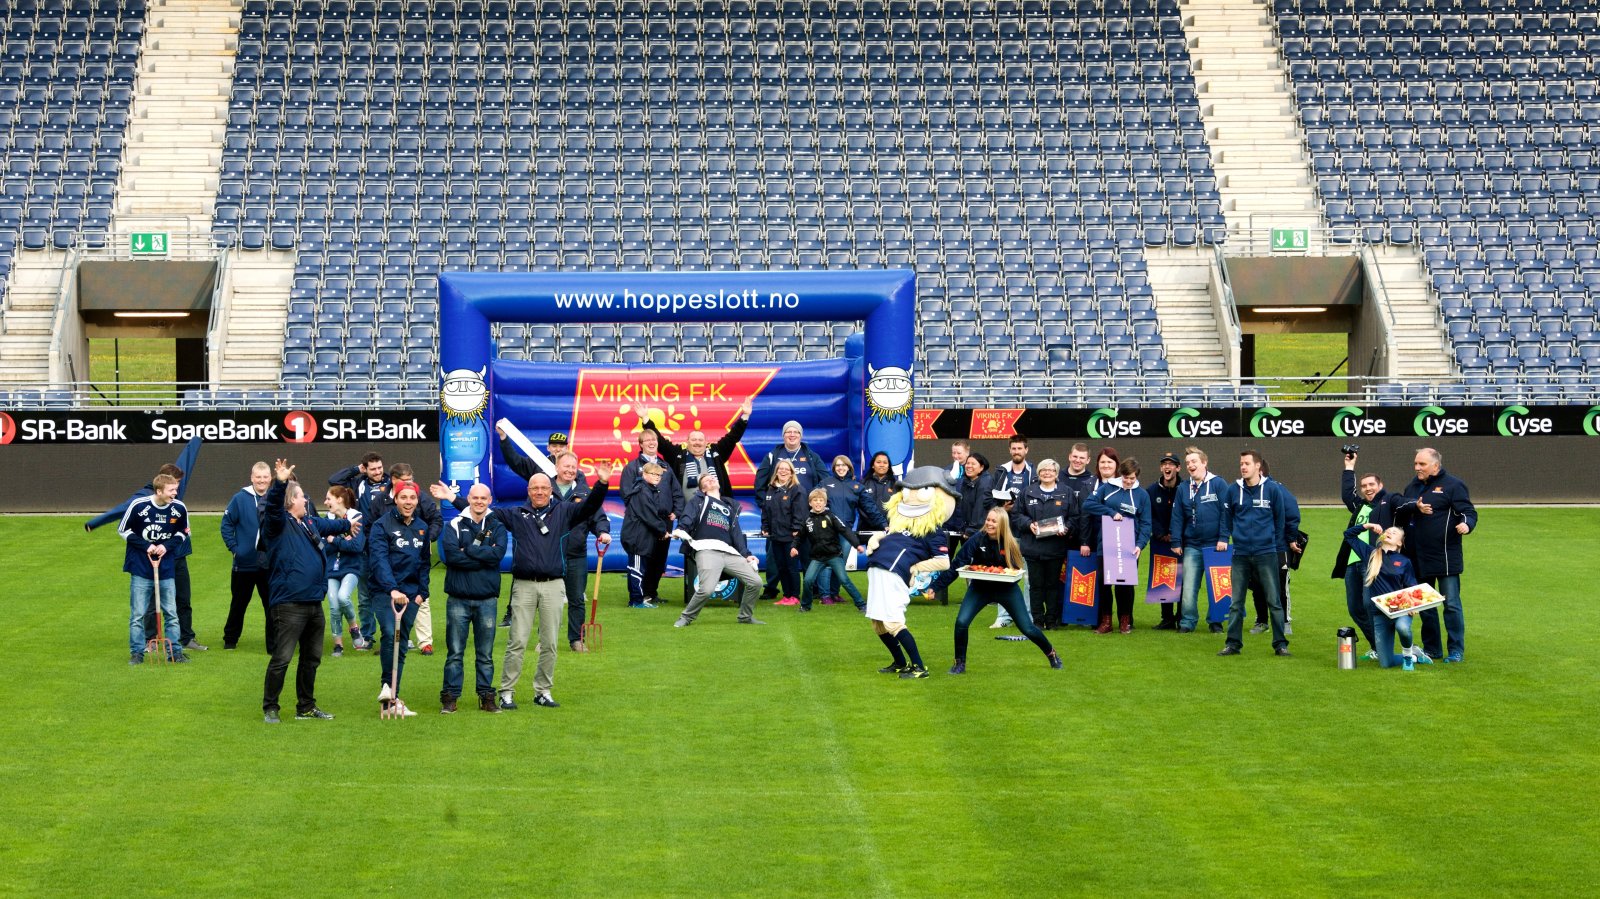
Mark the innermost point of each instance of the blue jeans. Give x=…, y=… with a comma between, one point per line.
x=1008, y=597
x=478, y=614
x=340, y=609
x=141, y=592
x=384, y=610
x=1455, y=626
x=1356, y=601
x=1194, y=572
x=835, y=566
x=1384, y=628
x=1260, y=572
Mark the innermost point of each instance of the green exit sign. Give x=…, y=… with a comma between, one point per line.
x=149, y=243
x=1290, y=240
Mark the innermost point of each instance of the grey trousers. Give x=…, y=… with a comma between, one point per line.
x=713, y=567
x=544, y=598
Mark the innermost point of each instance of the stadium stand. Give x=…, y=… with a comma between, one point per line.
x=1018, y=155
x=1471, y=131
x=66, y=82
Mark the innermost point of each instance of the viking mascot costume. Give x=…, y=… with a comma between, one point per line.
x=914, y=544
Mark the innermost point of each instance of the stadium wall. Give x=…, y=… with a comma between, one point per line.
x=89, y=478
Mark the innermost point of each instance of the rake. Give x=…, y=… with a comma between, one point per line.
x=591, y=628
x=159, y=650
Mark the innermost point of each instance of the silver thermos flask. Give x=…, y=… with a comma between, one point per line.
x=1347, y=647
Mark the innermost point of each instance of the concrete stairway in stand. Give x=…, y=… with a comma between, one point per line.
x=1422, y=347
x=1180, y=280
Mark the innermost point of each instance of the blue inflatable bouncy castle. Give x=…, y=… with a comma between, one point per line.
x=854, y=406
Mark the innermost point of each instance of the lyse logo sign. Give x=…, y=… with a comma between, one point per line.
x=1515, y=421
x=1590, y=420
x=1269, y=422
x=1186, y=424
x=1104, y=425
x=1432, y=421
x=1351, y=421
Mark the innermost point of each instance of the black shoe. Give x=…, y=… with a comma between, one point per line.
x=271, y=717
x=960, y=667
x=1055, y=660
x=486, y=703
x=447, y=705
x=1167, y=626
x=896, y=668
x=769, y=594
x=313, y=714
x=1230, y=651
x=545, y=700
x=230, y=646
x=805, y=608
x=1282, y=651
x=915, y=672
x=1216, y=628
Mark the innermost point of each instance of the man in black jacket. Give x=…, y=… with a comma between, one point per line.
x=569, y=486
x=1437, y=512
x=1163, y=496
x=695, y=459
x=1368, y=503
x=295, y=569
x=471, y=546
x=538, y=531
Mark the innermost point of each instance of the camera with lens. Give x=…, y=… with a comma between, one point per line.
x=1350, y=449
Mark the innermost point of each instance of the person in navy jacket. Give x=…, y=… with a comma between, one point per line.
x=1106, y=463
x=1163, y=495
x=153, y=527
x=242, y=535
x=398, y=557
x=1288, y=542
x=857, y=508
x=471, y=545
x=688, y=464
x=880, y=479
x=1196, y=527
x=1368, y=503
x=1254, y=516
x=647, y=522
x=808, y=469
x=1386, y=570
x=1436, y=512
x=1118, y=500
x=182, y=469
x=783, y=514
x=297, y=572
x=538, y=530
x=1048, y=499
x=993, y=546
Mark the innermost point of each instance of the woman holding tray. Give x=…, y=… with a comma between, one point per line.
x=1388, y=570
x=992, y=546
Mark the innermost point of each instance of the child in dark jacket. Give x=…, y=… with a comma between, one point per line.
x=1387, y=570
x=822, y=531
x=645, y=525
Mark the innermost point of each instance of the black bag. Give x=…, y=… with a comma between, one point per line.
x=1304, y=539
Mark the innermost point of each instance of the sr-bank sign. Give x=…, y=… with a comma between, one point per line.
x=19, y=427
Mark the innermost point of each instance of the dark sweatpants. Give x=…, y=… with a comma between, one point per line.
x=244, y=583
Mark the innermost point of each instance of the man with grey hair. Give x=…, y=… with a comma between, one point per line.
x=712, y=524
x=1436, y=512
x=243, y=535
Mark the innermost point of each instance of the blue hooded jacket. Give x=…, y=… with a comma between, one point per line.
x=1254, y=517
x=398, y=555
x=1111, y=498
x=344, y=554
x=1197, y=520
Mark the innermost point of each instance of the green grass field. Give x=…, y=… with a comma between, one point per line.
x=723, y=760
x=1289, y=361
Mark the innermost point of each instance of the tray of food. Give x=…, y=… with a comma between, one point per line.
x=990, y=573
x=1408, y=601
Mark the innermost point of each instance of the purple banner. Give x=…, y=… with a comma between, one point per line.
x=1166, y=573
x=1120, y=552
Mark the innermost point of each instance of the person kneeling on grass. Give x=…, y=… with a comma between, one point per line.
x=993, y=546
x=824, y=532
x=296, y=577
x=914, y=543
x=1387, y=570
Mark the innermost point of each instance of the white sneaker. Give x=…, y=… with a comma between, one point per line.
x=403, y=710
x=997, y=625
x=386, y=694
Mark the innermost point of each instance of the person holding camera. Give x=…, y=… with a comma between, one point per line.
x=1368, y=503
x=1436, y=512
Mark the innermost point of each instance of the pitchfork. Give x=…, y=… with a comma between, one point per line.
x=591, y=628
x=159, y=648
x=391, y=690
